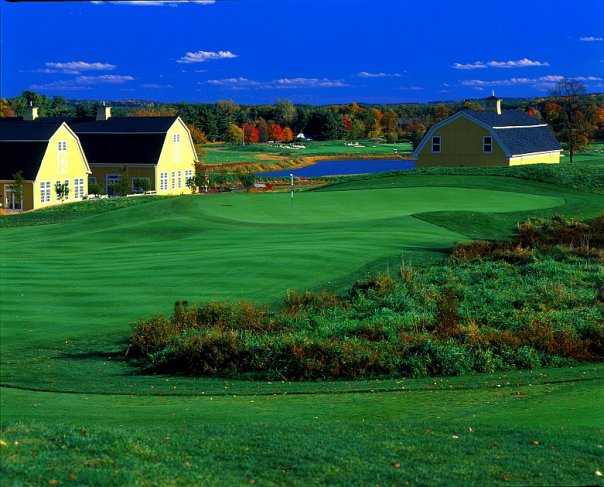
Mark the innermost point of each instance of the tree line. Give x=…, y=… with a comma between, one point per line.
x=576, y=117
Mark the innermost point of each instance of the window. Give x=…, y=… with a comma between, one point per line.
x=436, y=144
x=176, y=138
x=78, y=188
x=179, y=179
x=91, y=180
x=62, y=145
x=188, y=177
x=67, y=189
x=140, y=184
x=487, y=144
x=111, y=181
x=44, y=191
x=173, y=180
x=163, y=181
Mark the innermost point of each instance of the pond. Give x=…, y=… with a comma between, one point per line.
x=344, y=167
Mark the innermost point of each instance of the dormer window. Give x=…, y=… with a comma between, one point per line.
x=176, y=138
x=62, y=146
x=487, y=144
x=436, y=144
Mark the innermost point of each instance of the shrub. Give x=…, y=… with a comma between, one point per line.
x=488, y=308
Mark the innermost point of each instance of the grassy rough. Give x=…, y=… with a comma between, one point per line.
x=536, y=302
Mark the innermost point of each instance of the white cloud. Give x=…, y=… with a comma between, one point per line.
x=366, y=74
x=282, y=83
x=155, y=86
x=520, y=63
x=203, y=56
x=542, y=82
x=83, y=82
x=468, y=66
x=309, y=82
x=233, y=82
x=155, y=3
x=591, y=39
x=76, y=67
x=512, y=64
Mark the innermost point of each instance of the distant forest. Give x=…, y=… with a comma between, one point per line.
x=230, y=122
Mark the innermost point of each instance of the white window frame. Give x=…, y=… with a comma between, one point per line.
x=176, y=138
x=114, y=177
x=45, y=192
x=179, y=179
x=78, y=188
x=489, y=144
x=439, y=143
x=163, y=181
x=62, y=145
x=173, y=180
x=66, y=197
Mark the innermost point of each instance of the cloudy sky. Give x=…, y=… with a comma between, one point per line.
x=308, y=51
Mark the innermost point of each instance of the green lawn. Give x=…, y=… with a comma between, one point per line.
x=69, y=290
x=256, y=153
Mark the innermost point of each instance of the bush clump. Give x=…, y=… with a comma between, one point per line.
x=493, y=306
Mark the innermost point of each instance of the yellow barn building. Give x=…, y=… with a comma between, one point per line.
x=45, y=152
x=156, y=150
x=489, y=138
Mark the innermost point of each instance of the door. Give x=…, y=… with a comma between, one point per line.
x=12, y=200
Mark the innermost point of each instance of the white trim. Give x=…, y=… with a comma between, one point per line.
x=123, y=133
x=110, y=164
x=178, y=119
x=521, y=126
x=536, y=153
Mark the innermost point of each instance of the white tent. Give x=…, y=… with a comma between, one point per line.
x=301, y=136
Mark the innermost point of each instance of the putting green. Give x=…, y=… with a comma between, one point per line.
x=347, y=206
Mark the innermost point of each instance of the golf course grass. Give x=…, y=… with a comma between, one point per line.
x=81, y=414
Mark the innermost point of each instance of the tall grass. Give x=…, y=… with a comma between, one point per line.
x=537, y=301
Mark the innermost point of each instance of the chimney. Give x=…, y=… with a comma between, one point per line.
x=493, y=104
x=103, y=112
x=31, y=113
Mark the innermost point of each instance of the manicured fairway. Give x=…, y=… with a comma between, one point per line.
x=69, y=291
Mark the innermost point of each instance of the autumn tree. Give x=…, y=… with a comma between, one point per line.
x=441, y=111
x=390, y=125
x=275, y=132
x=6, y=110
x=234, y=134
x=376, y=123
x=472, y=105
x=251, y=132
x=285, y=113
x=414, y=131
x=262, y=127
x=288, y=134
x=569, y=94
x=199, y=138
x=153, y=112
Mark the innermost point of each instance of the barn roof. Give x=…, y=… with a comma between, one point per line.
x=124, y=125
x=508, y=118
x=13, y=129
x=24, y=156
x=122, y=148
x=528, y=140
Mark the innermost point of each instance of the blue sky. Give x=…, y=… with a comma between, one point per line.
x=307, y=51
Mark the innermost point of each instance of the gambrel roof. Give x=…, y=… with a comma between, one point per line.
x=23, y=144
x=516, y=132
